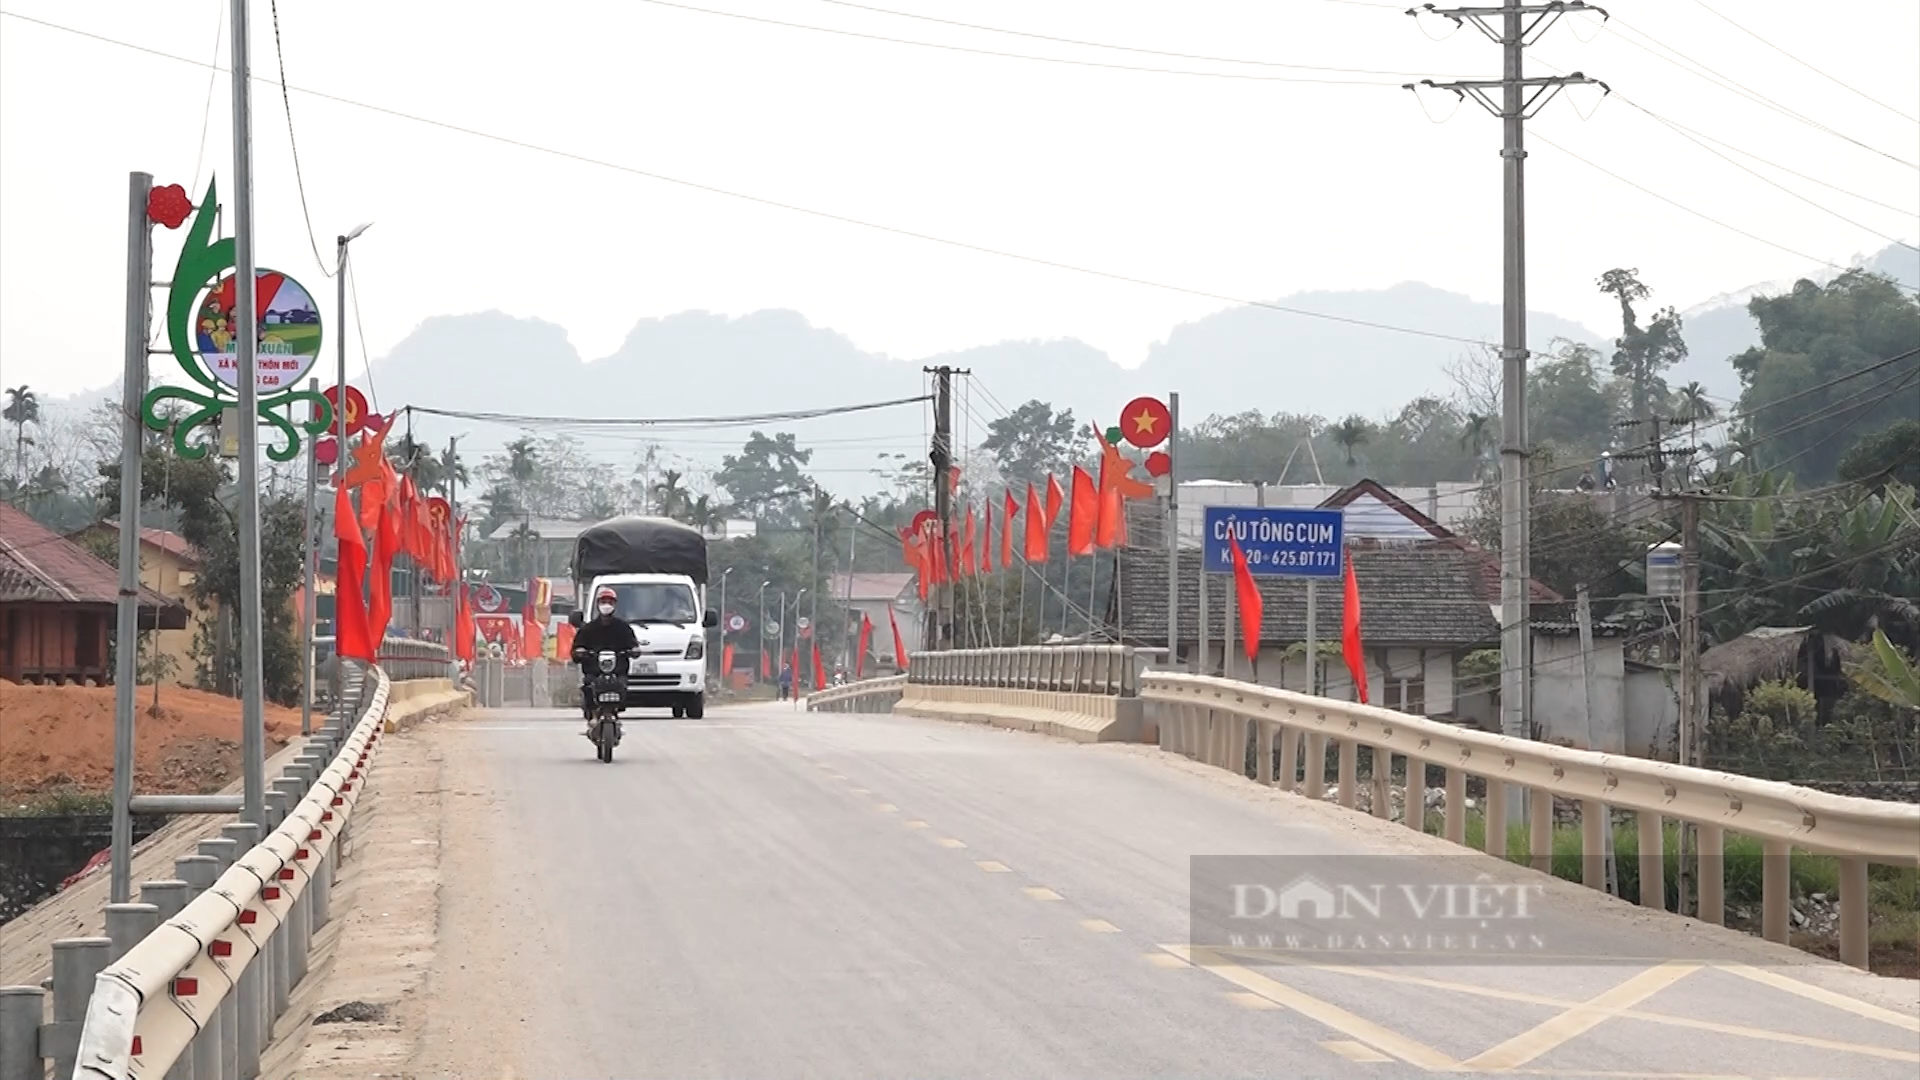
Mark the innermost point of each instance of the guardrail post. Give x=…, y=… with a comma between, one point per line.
x=1853, y=912
x=1595, y=819
x=1263, y=753
x=1713, y=874
x=1457, y=803
x=1349, y=773
x=1776, y=879
x=1495, y=841
x=21, y=1010
x=77, y=962
x=1413, y=812
x=1380, y=778
x=1653, y=856
x=248, y=1006
x=1540, y=830
x=299, y=915
x=127, y=924
x=1289, y=757
x=217, y=1045
x=1316, y=764
x=280, y=986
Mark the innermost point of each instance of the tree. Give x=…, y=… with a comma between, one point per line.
x=766, y=478
x=452, y=472
x=1889, y=455
x=1575, y=540
x=1351, y=432
x=1642, y=353
x=23, y=408
x=1816, y=343
x=1888, y=674
x=1567, y=402
x=1034, y=442
x=673, y=497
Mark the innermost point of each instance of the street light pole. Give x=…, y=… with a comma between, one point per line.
x=723, y=622
x=340, y=418
x=253, y=733
x=760, y=627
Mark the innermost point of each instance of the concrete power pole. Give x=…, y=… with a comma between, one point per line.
x=253, y=720
x=1513, y=25
x=940, y=618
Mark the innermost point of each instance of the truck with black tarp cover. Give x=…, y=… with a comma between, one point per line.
x=657, y=571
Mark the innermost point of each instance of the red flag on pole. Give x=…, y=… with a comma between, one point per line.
x=986, y=541
x=1350, y=633
x=1247, y=591
x=1083, y=516
x=352, y=637
x=1036, y=527
x=386, y=544
x=899, y=646
x=726, y=659
x=966, y=547
x=1006, y=528
x=766, y=664
x=819, y=672
x=532, y=634
x=866, y=637
x=463, y=624
x=1055, y=499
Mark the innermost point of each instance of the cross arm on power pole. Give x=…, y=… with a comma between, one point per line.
x=1543, y=17
x=1545, y=88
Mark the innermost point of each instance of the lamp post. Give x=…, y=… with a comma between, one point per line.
x=760, y=627
x=340, y=418
x=796, y=642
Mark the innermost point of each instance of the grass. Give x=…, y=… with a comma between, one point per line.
x=58, y=802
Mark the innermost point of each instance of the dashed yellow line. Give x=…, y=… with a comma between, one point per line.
x=1354, y=1051
x=887, y=808
x=913, y=824
x=1099, y=926
x=992, y=867
x=1166, y=960
x=1251, y=1001
x=860, y=791
x=1041, y=892
x=950, y=842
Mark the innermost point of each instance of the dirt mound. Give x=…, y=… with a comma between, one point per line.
x=62, y=736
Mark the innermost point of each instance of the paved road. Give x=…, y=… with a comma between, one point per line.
x=772, y=893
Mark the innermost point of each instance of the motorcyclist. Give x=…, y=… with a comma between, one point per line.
x=603, y=634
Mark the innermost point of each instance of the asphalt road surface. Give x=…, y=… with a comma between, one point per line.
x=771, y=893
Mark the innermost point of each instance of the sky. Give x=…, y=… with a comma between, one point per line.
x=1252, y=186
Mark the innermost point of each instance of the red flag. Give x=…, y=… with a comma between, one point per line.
x=726, y=656
x=766, y=664
x=1006, y=528
x=866, y=638
x=1350, y=633
x=352, y=636
x=819, y=673
x=386, y=542
x=1036, y=528
x=563, y=641
x=1108, y=527
x=1247, y=591
x=900, y=657
x=1055, y=498
x=1083, y=516
x=966, y=547
x=532, y=634
x=986, y=541
x=462, y=624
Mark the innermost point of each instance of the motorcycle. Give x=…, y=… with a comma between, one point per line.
x=609, y=688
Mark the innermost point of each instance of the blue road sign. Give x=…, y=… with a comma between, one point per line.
x=1279, y=541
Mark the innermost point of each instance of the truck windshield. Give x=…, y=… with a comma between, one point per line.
x=654, y=602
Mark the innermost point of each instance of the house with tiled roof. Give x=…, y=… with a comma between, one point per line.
x=874, y=595
x=169, y=565
x=58, y=605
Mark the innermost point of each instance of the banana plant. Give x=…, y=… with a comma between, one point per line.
x=1887, y=674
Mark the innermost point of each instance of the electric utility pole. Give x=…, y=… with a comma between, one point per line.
x=1513, y=25
x=940, y=618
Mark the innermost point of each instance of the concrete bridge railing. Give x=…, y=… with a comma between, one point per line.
x=190, y=980
x=1302, y=743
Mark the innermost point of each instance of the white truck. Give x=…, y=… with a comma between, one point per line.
x=657, y=569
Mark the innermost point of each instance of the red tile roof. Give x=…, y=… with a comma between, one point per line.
x=38, y=565
x=170, y=542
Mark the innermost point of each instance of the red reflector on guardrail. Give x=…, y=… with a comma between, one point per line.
x=271, y=892
x=315, y=834
x=326, y=815
x=338, y=801
x=185, y=987
x=247, y=918
x=287, y=874
x=301, y=854
x=220, y=949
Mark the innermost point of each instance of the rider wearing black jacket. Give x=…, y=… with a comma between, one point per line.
x=604, y=634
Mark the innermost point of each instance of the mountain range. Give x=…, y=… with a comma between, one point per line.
x=703, y=364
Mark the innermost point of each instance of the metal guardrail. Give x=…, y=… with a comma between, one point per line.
x=1213, y=720
x=1076, y=669
x=866, y=696
x=189, y=981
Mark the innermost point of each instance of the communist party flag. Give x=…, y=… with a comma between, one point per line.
x=1055, y=499
x=351, y=635
x=1006, y=528
x=1083, y=516
x=1247, y=591
x=986, y=541
x=866, y=638
x=1036, y=527
x=1350, y=633
x=899, y=646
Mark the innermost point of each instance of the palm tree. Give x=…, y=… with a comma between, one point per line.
x=1349, y=433
x=453, y=472
x=673, y=497
x=23, y=408
x=416, y=460
x=1696, y=406
x=1475, y=435
x=704, y=515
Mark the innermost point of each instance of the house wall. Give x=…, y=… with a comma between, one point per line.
x=170, y=576
x=1653, y=712
x=1412, y=680
x=1560, y=695
x=53, y=643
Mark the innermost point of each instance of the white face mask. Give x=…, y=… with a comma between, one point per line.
x=606, y=609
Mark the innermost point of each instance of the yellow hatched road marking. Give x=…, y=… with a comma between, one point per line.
x=1166, y=960
x=1353, y=1051
x=1582, y=1018
x=992, y=867
x=1100, y=926
x=1824, y=997
x=1251, y=1001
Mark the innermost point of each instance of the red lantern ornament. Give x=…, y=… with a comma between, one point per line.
x=1146, y=422
x=1159, y=464
x=169, y=205
x=325, y=451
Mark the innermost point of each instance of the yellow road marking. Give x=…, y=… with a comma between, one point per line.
x=1166, y=960
x=914, y=824
x=1100, y=926
x=1523, y=998
x=1250, y=1001
x=887, y=808
x=1353, y=1051
x=1325, y=1013
x=950, y=842
x=992, y=867
x=1041, y=892
x=1582, y=1018
x=1585, y=1074
x=1824, y=997
x=860, y=791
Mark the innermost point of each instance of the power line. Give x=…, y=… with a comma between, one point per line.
x=671, y=421
x=1743, y=28
x=206, y=114
x=778, y=205
x=1642, y=188
x=299, y=180
x=1120, y=48
x=1021, y=56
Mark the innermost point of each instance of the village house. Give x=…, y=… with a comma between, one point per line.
x=874, y=595
x=169, y=565
x=58, y=605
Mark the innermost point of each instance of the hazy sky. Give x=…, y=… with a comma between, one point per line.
x=1243, y=187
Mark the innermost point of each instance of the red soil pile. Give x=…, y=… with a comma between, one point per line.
x=62, y=736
